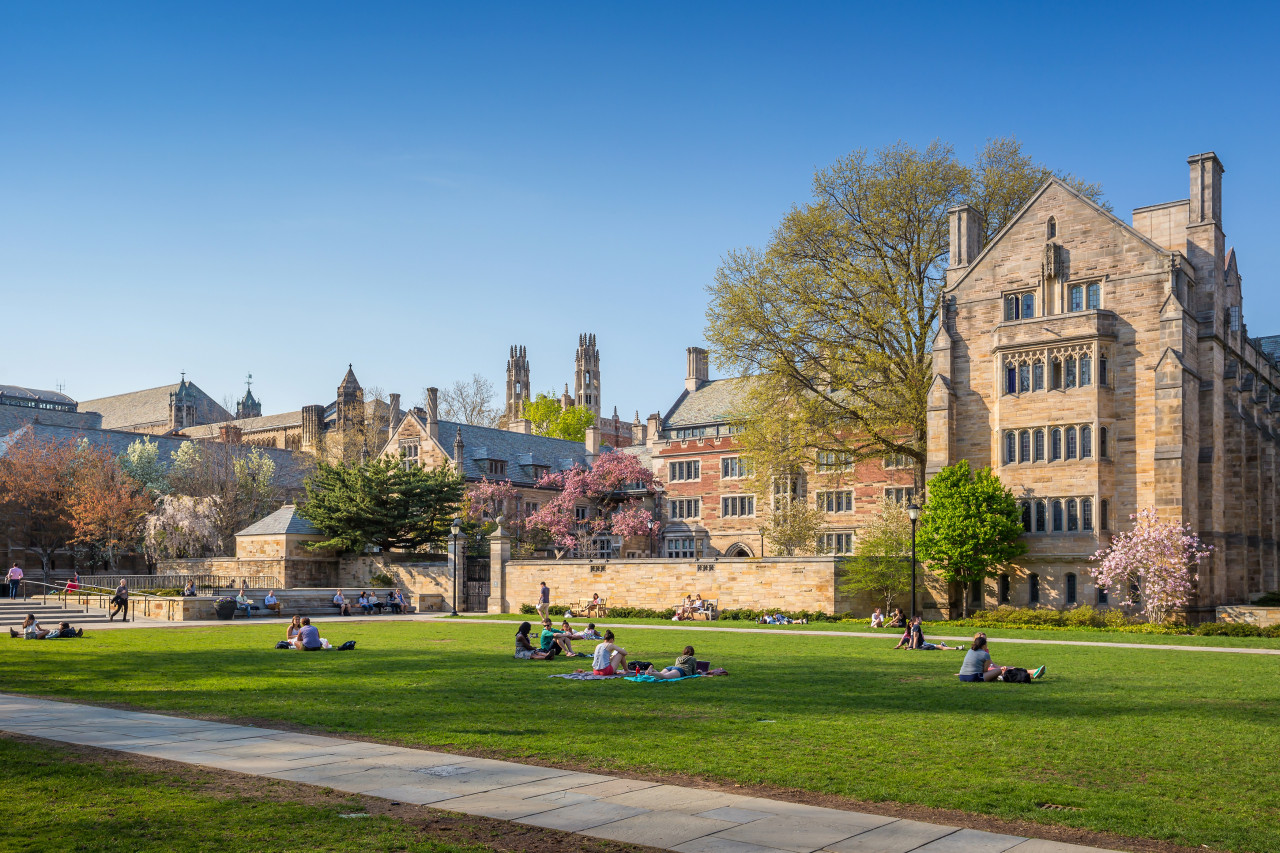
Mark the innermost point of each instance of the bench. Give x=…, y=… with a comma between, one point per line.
x=584, y=607
x=709, y=612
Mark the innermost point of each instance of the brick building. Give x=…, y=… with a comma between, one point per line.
x=1101, y=367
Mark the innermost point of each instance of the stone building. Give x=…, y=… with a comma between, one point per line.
x=1102, y=367
x=709, y=509
x=20, y=406
x=157, y=411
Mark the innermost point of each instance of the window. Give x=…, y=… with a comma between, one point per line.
x=1055, y=374
x=1086, y=442
x=1086, y=371
x=1055, y=444
x=1093, y=297
x=1102, y=442
x=540, y=471
x=1024, y=378
x=1026, y=516
x=1039, y=457
x=1010, y=447
x=530, y=507
x=828, y=462
x=1103, y=506
x=1033, y=588
x=580, y=513
x=1004, y=589
x=682, y=549
x=1102, y=595
x=1037, y=376
x=693, y=432
x=835, y=501
x=1024, y=446
x=1233, y=313
x=737, y=506
x=1020, y=306
x=1069, y=372
x=900, y=496
x=497, y=467
x=1071, y=588
x=1051, y=229
x=1011, y=379
x=1076, y=298
x=1028, y=306
x=409, y=452
x=836, y=543
x=731, y=467
x=686, y=508
x=1011, y=307
x=898, y=460
x=1071, y=442
x=1040, y=517
x=975, y=593
x=1102, y=369
x=1057, y=516
x=691, y=470
x=1073, y=516
x=785, y=486
x=1086, y=514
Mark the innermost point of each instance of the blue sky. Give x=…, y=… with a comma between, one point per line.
x=284, y=188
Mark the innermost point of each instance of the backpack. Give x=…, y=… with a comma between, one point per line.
x=1016, y=675
x=639, y=665
x=283, y=644
x=351, y=644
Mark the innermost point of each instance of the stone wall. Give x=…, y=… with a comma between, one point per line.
x=420, y=578
x=286, y=572
x=1262, y=617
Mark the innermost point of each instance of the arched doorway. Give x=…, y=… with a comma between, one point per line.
x=738, y=549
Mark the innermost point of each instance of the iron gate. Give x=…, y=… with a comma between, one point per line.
x=476, y=586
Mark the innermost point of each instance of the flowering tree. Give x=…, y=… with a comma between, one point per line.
x=141, y=461
x=1151, y=565
x=107, y=506
x=182, y=526
x=612, y=490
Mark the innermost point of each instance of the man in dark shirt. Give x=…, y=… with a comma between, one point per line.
x=544, y=600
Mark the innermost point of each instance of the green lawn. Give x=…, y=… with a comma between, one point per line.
x=1163, y=744
x=54, y=803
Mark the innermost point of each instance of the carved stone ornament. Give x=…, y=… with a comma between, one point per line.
x=1052, y=260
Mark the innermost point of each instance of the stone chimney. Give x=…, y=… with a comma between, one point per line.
x=697, y=372
x=393, y=414
x=966, y=235
x=593, y=442
x=1206, y=188
x=457, y=451
x=433, y=413
x=230, y=434
x=637, y=430
x=653, y=429
x=524, y=426
x=312, y=427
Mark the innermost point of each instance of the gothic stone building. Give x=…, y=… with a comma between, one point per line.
x=158, y=411
x=1101, y=368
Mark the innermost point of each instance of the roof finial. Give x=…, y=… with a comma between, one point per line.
x=248, y=380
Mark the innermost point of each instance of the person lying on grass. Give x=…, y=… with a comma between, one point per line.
x=685, y=666
x=32, y=630
x=591, y=633
x=555, y=641
x=917, y=638
x=524, y=648
x=609, y=659
x=977, y=664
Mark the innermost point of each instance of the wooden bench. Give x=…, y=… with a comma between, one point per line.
x=584, y=607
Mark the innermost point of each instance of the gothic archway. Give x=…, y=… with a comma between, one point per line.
x=738, y=549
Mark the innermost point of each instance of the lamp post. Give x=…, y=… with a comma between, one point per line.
x=761, y=541
x=454, y=530
x=913, y=513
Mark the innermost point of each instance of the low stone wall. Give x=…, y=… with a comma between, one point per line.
x=286, y=571
x=1262, y=617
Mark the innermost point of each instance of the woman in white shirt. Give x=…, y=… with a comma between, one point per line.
x=609, y=659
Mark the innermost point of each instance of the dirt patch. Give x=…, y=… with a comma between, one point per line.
x=437, y=825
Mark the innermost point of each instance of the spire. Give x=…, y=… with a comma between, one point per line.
x=457, y=450
x=349, y=382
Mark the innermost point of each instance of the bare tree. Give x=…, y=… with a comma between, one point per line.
x=469, y=402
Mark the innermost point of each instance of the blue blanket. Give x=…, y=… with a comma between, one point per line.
x=649, y=678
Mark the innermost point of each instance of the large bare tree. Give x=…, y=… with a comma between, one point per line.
x=469, y=402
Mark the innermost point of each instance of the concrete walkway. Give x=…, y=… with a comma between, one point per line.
x=688, y=820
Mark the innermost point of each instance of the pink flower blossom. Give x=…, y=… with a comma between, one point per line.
x=1150, y=565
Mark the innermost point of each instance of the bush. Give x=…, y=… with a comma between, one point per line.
x=1077, y=618
x=1271, y=599
x=1228, y=629
x=382, y=579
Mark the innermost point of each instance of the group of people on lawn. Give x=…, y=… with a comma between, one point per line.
x=608, y=659
x=368, y=602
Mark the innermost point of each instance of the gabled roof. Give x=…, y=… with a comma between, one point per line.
x=522, y=453
x=715, y=402
x=285, y=520
x=35, y=395
x=151, y=406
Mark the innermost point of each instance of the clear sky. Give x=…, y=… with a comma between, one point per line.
x=284, y=188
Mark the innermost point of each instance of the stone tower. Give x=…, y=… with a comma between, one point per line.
x=182, y=406
x=350, y=410
x=248, y=406
x=517, y=384
x=586, y=374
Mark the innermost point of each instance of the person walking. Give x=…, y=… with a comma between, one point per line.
x=544, y=600
x=14, y=577
x=120, y=602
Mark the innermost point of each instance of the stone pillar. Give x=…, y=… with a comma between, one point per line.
x=499, y=556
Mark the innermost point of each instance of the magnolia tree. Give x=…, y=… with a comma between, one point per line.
x=182, y=526
x=613, y=490
x=1151, y=565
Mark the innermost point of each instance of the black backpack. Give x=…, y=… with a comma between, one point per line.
x=1016, y=675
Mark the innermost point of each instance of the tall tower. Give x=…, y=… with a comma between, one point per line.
x=248, y=406
x=517, y=384
x=586, y=374
x=182, y=406
x=350, y=411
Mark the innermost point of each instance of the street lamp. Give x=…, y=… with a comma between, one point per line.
x=761, y=541
x=454, y=530
x=913, y=513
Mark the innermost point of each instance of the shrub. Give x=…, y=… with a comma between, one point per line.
x=1271, y=599
x=1228, y=629
x=382, y=579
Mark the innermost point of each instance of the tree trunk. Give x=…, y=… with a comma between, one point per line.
x=964, y=600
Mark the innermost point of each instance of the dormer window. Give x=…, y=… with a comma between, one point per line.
x=1051, y=229
x=1020, y=306
x=496, y=467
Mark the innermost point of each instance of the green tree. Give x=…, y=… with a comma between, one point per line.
x=141, y=461
x=550, y=419
x=836, y=316
x=970, y=526
x=881, y=564
x=383, y=503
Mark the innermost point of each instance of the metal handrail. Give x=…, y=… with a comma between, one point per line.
x=90, y=591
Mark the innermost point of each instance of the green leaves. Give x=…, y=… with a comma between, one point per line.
x=550, y=419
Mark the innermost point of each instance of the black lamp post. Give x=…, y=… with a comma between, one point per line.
x=761, y=541
x=913, y=512
x=454, y=530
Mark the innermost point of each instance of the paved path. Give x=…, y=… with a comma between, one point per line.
x=688, y=820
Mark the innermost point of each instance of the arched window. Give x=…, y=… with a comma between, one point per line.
x=1010, y=447
x=1057, y=516
x=1055, y=444
x=1086, y=514
x=1071, y=442
x=1037, y=376
x=1024, y=446
x=1102, y=369
x=1093, y=296
x=1069, y=372
x=1102, y=595
x=1004, y=589
x=1073, y=517
x=1033, y=588
x=1051, y=229
x=1026, y=516
x=1011, y=307
x=1104, y=507
x=1028, y=306
x=1086, y=442
x=1102, y=442
x=1024, y=378
x=1077, y=298
x=1011, y=379
x=1040, y=519
x=1039, y=457
x=1055, y=374
x=1086, y=371
x=1071, y=588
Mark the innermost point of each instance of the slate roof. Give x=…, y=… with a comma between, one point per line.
x=1270, y=346
x=715, y=402
x=151, y=406
x=521, y=452
x=283, y=520
x=291, y=468
x=280, y=421
x=35, y=395
x=15, y=417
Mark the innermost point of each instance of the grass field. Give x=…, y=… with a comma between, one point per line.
x=1172, y=745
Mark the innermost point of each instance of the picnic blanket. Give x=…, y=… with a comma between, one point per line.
x=649, y=678
x=583, y=676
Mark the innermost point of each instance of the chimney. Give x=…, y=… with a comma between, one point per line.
x=524, y=426
x=593, y=442
x=457, y=452
x=312, y=427
x=966, y=235
x=653, y=429
x=696, y=373
x=1206, y=188
x=433, y=413
x=230, y=434
x=393, y=414
x=637, y=430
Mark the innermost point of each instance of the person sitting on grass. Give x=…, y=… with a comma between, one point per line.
x=309, y=639
x=685, y=666
x=899, y=619
x=569, y=632
x=525, y=649
x=609, y=659
x=917, y=638
x=31, y=629
x=977, y=664
x=295, y=625
x=591, y=633
x=340, y=602
x=905, y=641
x=555, y=641
x=877, y=618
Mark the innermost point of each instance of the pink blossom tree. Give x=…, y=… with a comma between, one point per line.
x=613, y=491
x=1150, y=565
